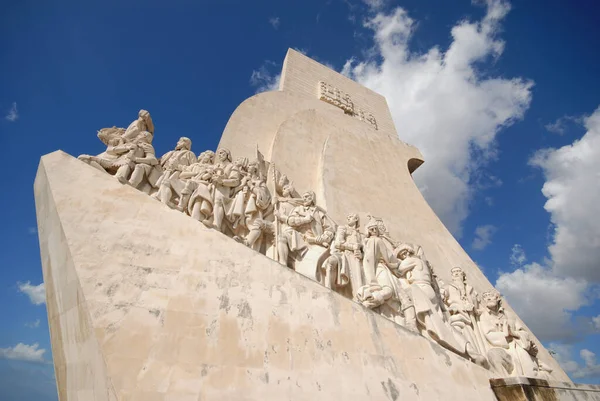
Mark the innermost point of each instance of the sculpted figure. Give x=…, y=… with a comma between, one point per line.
x=173, y=164
x=344, y=267
x=196, y=197
x=283, y=208
x=383, y=290
x=306, y=225
x=429, y=312
x=143, y=123
x=510, y=348
x=462, y=304
x=141, y=164
x=115, y=154
x=225, y=178
x=255, y=207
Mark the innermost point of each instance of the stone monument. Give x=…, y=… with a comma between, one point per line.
x=298, y=261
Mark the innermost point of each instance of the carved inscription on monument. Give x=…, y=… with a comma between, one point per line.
x=332, y=95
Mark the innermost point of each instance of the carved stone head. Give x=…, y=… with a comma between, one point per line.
x=241, y=163
x=223, y=155
x=492, y=300
x=145, y=137
x=457, y=274
x=353, y=220
x=308, y=198
x=404, y=251
x=206, y=157
x=183, y=143
x=253, y=167
x=373, y=227
x=287, y=190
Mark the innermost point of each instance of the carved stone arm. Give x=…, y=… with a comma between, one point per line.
x=118, y=150
x=297, y=221
x=405, y=266
x=148, y=159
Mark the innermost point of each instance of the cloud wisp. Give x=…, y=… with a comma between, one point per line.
x=589, y=369
x=33, y=325
x=483, y=236
x=559, y=126
x=444, y=101
x=263, y=80
x=36, y=293
x=24, y=352
x=275, y=22
x=13, y=113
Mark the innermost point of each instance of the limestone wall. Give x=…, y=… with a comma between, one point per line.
x=166, y=309
x=79, y=364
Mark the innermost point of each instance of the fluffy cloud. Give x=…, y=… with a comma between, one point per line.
x=545, y=296
x=572, y=175
x=36, y=293
x=543, y=300
x=443, y=102
x=13, y=113
x=588, y=369
x=483, y=236
x=263, y=80
x=23, y=352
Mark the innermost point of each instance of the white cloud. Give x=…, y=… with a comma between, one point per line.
x=274, y=21
x=572, y=188
x=33, y=325
x=23, y=352
x=263, y=80
x=564, y=355
x=483, y=236
x=560, y=125
x=36, y=293
x=543, y=300
x=443, y=102
x=546, y=297
x=591, y=368
x=596, y=322
x=375, y=5
x=13, y=113
x=517, y=256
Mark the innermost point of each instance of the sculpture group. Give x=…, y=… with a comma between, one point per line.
x=255, y=204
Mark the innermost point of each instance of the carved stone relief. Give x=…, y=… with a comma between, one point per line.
x=254, y=203
x=332, y=95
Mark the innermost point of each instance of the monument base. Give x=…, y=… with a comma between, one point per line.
x=527, y=389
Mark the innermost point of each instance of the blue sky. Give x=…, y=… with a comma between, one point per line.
x=510, y=89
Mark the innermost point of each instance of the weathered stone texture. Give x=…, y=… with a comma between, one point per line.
x=527, y=389
x=148, y=304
